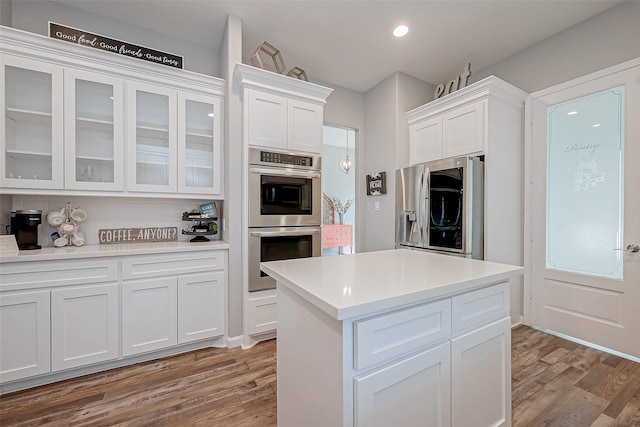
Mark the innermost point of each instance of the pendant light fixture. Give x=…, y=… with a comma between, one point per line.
x=346, y=163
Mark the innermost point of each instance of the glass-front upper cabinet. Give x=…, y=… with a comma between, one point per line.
x=31, y=141
x=199, y=142
x=151, y=138
x=93, y=131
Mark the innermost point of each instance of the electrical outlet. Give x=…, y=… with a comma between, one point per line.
x=376, y=206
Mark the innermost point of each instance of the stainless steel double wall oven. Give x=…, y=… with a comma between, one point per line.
x=285, y=199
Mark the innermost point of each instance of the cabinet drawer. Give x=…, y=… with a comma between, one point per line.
x=390, y=335
x=28, y=275
x=172, y=264
x=478, y=307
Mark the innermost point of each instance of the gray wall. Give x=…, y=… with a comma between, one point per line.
x=606, y=39
x=33, y=16
x=378, y=154
x=412, y=93
x=386, y=148
x=5, y=12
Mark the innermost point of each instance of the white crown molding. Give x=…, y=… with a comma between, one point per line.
x=491, y=86
x=23, y=43
x=257, y=78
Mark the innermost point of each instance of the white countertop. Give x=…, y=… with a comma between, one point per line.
x=347, y=286
x=119, y=249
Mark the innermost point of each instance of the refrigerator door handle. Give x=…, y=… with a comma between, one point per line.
x=421, y=202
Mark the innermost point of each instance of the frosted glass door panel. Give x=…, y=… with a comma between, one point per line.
x=152, y=139
x=28, y=124
x=94, y=132
x=584, y=184
x=199, y=144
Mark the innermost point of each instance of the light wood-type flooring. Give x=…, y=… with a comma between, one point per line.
x=555, y=383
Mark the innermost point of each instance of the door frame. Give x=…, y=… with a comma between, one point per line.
x=528, y=169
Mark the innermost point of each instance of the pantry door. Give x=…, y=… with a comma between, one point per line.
x=584, y=210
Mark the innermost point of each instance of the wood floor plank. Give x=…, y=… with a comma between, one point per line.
x=555, y=382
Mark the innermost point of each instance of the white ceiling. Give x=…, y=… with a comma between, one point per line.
x=349, y=43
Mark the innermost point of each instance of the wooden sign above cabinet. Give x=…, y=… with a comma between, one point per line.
x=85, y=38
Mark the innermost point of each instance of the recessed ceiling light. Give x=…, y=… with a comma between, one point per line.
x=401, y=31
x=210, y=114
x=571, y=113
x=597, y=125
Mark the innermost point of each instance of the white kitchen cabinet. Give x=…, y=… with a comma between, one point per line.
x=84, y=325
x=426, y=140
x=24, y=335
x=199, y=144
x=304, y=126
x=170, y=299
x=94, y=138
x=411, y=392
x=200, y=306
x=77, y=119
x=472, y=121
x=149, y=315
x=281, y=112
x=459, y=131
x=489, y=348
x=31, y=144
x=281, y=123
x=463, y=130
x=266, y=120
x=60, y=317
x=261, y=315
x=152, y=147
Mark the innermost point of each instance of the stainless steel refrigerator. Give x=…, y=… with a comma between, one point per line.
x=439, y=206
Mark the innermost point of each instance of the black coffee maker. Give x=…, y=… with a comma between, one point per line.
x=24, y=225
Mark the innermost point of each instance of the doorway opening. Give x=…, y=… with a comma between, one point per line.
x=338, y=190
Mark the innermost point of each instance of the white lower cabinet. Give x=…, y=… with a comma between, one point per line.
x=84, y=325
x=149, y=315
x=261, y=316
x=480, y=361
x=200, y=306
x=389, y=396
x=180, y=300
x=62, y=315
x=24, y=335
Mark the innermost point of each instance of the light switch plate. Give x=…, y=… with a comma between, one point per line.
x=8, y=245
x=376, y=206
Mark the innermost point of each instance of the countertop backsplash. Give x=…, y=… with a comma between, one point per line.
x=110, y=212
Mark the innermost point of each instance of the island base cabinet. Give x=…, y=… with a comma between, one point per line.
x=149, y=315
x=200, y=306
x=84, y=326
x=388, y=396
x=480, y=361
x=24, y=335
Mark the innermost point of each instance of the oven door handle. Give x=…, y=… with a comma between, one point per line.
x=285, y=172
x=297, y=232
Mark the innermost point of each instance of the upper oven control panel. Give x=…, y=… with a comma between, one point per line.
x=274, y=158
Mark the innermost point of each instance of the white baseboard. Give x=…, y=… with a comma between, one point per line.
x=588, y=344
x=517, y=321
x=235, y=341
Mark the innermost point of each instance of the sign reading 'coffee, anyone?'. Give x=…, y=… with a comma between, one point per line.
x=138, y=235
x=85, y=38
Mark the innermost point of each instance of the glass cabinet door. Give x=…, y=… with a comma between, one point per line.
x=151, y=115
x=31, y=124
x=199, y=136
x=94, y=132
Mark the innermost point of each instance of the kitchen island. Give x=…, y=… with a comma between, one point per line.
x=394, y=337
